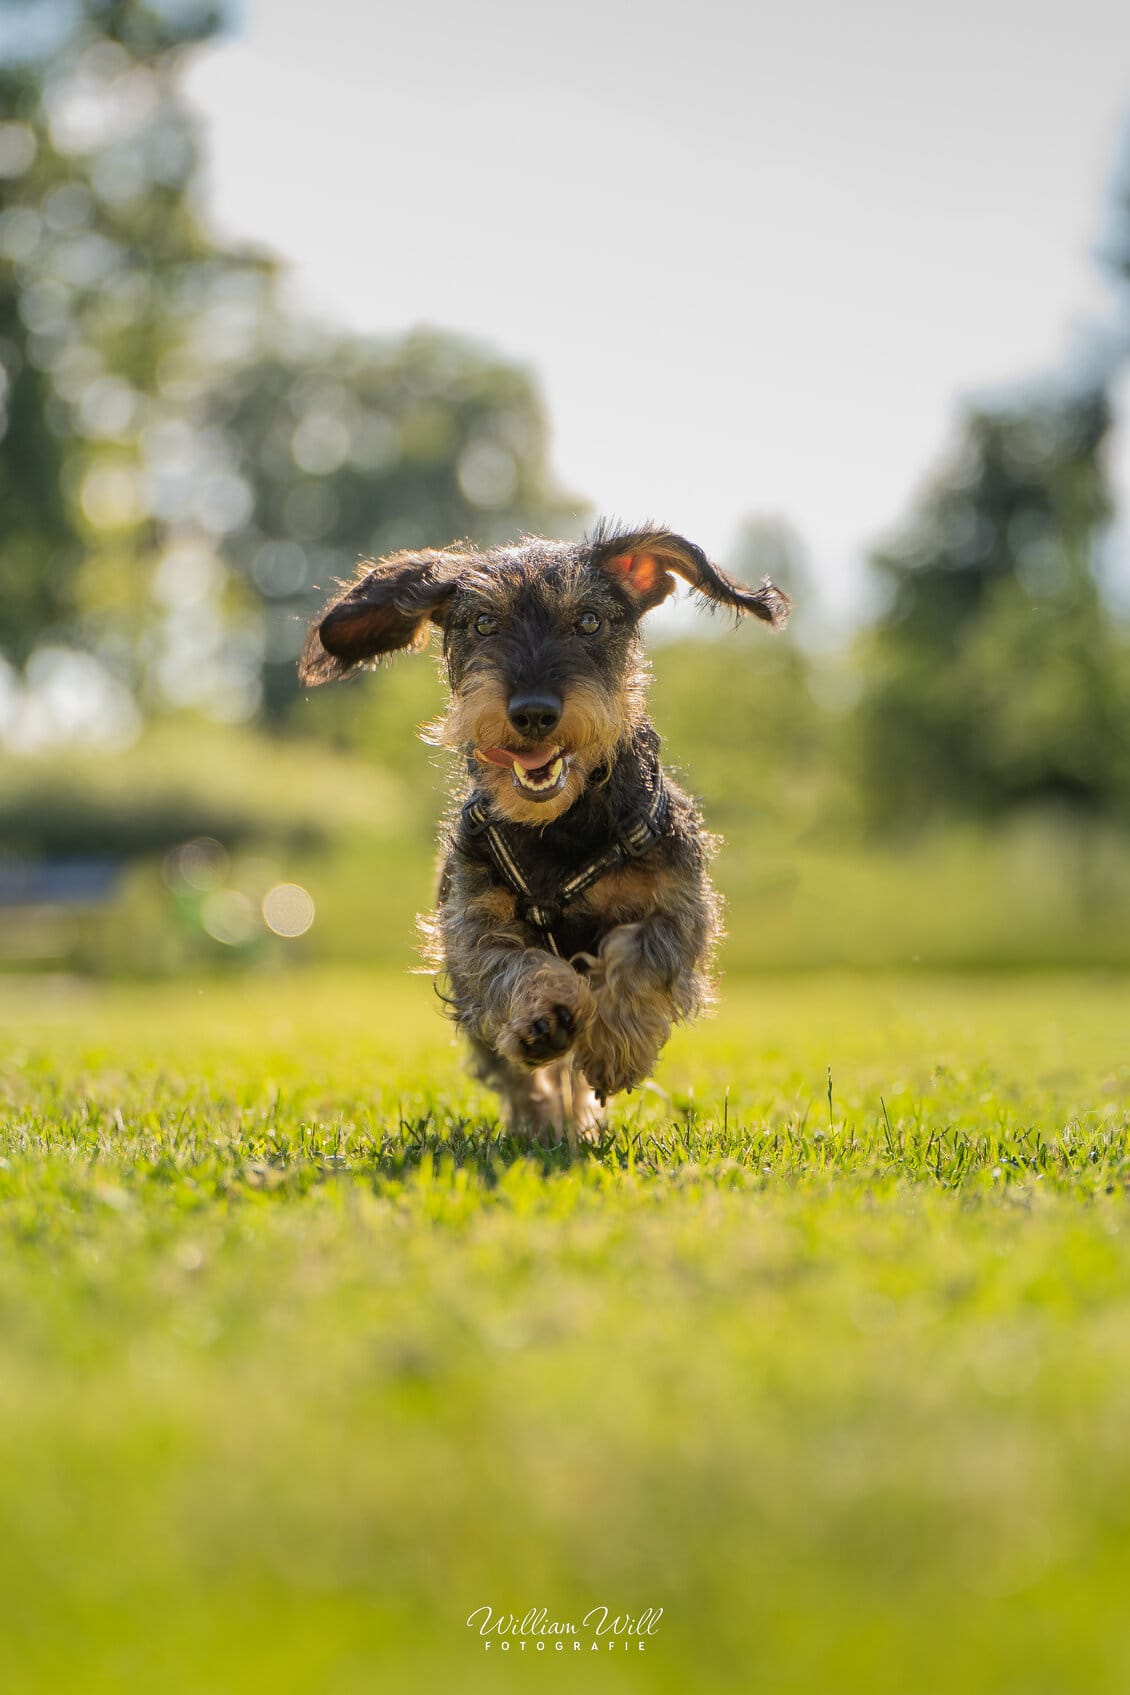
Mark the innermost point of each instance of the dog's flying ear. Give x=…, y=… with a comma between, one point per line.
x=385, y=610
x=642, y=563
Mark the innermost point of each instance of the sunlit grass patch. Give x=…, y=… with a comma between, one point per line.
x=825, y=1349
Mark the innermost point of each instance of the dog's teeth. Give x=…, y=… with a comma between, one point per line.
x=537, y=784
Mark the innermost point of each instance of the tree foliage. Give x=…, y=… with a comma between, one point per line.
x=996, y=676
x=103, y=275
x=357, y=448
x=182, y=463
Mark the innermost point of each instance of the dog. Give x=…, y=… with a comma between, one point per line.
x=576, y=920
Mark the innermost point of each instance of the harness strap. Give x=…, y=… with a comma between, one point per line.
x=477, y=821
x=642, y=833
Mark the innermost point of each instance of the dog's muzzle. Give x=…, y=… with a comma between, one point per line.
x=537, y=774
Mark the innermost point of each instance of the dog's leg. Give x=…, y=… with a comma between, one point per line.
x=522, y=1007
x=582, y=1104
x=644, y=978
x=553, y=1103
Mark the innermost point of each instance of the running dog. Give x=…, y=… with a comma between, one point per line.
x=576, y=919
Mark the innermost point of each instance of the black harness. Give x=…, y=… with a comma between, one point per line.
x=642, y=833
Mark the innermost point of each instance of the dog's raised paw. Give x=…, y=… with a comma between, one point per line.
x=549, y=1036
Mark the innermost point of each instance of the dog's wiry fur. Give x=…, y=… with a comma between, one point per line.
x=554, y=1034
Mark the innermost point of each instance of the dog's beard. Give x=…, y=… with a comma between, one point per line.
x=593, y=725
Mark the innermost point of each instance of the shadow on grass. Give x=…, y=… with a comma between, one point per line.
x=217, y=1144
x=481, y=1146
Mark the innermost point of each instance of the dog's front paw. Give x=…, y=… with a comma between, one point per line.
x=548, y=1036
x=547, y=1014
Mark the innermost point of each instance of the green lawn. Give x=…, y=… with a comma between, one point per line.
x=300, y=1362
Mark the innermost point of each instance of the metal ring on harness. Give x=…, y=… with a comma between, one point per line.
x=542, y=914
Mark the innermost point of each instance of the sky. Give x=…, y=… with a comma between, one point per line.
x=755, y=255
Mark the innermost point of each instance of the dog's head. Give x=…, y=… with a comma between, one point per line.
x=541, y=647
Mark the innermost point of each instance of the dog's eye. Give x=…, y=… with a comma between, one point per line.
x=486, y=625
x=588, y=623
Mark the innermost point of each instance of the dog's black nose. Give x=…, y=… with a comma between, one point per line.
x=534, y=715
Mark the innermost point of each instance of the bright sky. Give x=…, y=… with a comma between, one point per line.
x=755, y=254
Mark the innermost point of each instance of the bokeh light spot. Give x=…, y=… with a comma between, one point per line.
x=111, y=497
x=17, y=150
x=280, y=568
x=288, y=909
x=229, y=917
x=200, y=865
x=320, y=444
x=487, y=474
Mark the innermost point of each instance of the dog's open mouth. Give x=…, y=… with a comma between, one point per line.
x=539, y=774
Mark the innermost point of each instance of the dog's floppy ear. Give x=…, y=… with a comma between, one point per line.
x=386, y=610
x=642, y=563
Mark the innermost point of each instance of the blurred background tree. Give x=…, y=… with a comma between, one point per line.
x=998, y=676
x=186, y=467
x=357, y=449
x=182, y=462
x=109, y=296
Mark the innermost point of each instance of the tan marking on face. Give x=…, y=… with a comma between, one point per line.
x=593, y=725
x=475, y=716
x=595, y=722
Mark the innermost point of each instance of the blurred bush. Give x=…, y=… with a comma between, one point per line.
x=204, y=821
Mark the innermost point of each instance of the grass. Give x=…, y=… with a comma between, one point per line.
x=826, y=1351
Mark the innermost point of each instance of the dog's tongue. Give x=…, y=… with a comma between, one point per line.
x=507, y=757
